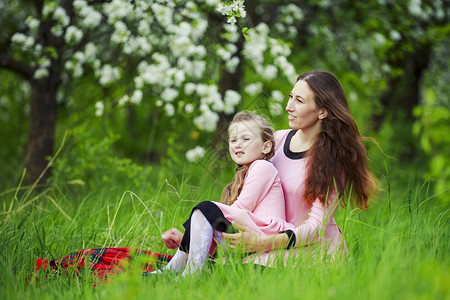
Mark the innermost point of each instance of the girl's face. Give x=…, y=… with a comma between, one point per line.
x=245, y=142
x=303, y=113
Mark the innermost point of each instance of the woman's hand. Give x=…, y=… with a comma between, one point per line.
x=172, y=238
x=246, y=240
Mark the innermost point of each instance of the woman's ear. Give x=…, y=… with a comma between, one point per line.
x=323, y=113
x=267, y=147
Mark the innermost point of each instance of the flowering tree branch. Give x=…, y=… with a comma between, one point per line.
x=17, y=66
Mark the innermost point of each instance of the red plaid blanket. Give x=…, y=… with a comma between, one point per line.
x=102, y=262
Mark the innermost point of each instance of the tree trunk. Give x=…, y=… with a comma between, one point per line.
x=403, y=93
x=42, y=126
x=399, y=100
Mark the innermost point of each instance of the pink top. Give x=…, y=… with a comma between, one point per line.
x=260, y=205
x=311, y=223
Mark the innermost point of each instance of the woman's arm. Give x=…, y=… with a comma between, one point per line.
x=248, y=240
x=305, y=233
x=314, y=226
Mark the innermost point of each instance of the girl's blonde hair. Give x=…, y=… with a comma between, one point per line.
x=232, y=190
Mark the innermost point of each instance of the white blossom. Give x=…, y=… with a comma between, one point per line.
x=80, y=4
x=275, y=109
x=57, y=30
x=90, y=17
x=196, y=50
x=47, y=9
x=212, y=2
x=18, y=38
x=218, y=105
x=41, y=72
x=277, y=96
x=117, y=9
x=189, y=108
x=232, y=99
x=170, y=109
x=207, y=120
x=395, y=35
x=254, y=88
x=415, y=8
x=99, y=108
x=379, y=39
x=169, y=94
x=124, y=100
x=144, y=45
x=90, y=51
x=292, y=13
x=199, y=29
x=80, y=57
x=179, y=45
x=73, y=34
x=353, y=97
x=287, y=68
x=223, y=53
x=75, y=68
x=108, y=74
x=121, y=32
x=163, y=13
x=195, y=154
x=156, y=72
x=270, y=72
x=231, y=20
x=232, y=34
x=60, y=15
x=136, y=98
x=254, y=49
x=179, y=77
x=37, y=49
x=32, y=23
x=190, y=88
x=232, y=10
x=232, y=64
x=277, y=48
x=144, y=27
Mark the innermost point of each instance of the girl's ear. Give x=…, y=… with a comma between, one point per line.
x=323, y=113
x=267, y=147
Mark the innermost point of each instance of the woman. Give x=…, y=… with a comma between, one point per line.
x=321, y=162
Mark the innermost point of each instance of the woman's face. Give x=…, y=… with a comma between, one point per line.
x=245, y=142
x=303, y=113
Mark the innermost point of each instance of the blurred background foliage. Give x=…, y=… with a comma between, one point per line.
x=390, y=56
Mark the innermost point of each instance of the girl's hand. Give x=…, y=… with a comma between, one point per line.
x=172, y=238
x=246, y=240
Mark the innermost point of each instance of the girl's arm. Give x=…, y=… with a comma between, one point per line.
x=259, y=180
x=172, y=238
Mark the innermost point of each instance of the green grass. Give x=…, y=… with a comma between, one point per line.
x=399, y=248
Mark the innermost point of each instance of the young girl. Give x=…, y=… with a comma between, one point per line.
x=254, y=197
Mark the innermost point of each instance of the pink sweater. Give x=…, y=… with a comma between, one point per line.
x=260, y=205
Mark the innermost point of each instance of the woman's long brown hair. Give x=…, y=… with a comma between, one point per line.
x=232, y=190
x=337, y=159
